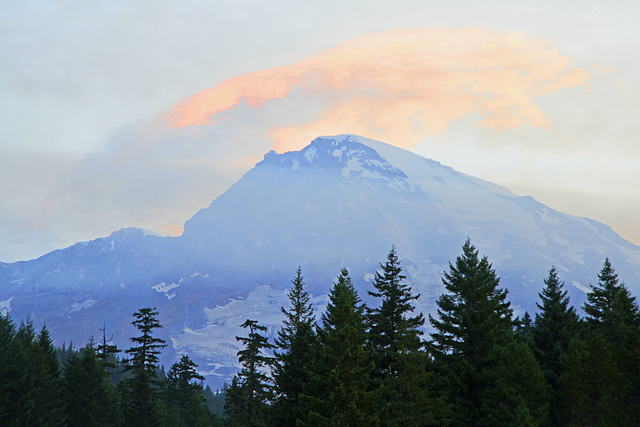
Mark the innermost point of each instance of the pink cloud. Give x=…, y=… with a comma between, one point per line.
x=401, y=86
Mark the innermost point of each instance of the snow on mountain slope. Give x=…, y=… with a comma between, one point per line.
x=342, y=201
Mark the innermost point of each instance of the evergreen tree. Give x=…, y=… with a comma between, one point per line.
x=107, y=352
x=185, y=397
x=13, y=364
x=610, y=309
x=523, y=328
x=611, y=315
x=337, y=393
x=141, y=392
x=18, y=380
x=627, y=359
x=7, y=332
x=48, y=392
x=235, y=404
x=215, y=401
x=490, y=379
x=394, y=338
x=590, y=381
x=145, y=355
x=294, y=343
x=555, y=326
x=393, y=332
x=91, y=399
x=251, y=388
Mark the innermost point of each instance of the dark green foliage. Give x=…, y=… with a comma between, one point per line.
x=64, y=353
x=555, y=326
x=91, y=399
x=7, y=331
x=142, y=403
x=610, y=309
x=184, y=398
x=392, y=332
x=337, y=393
x=590, y=380
x=523, y=328
x=31, y=389
x=603, y=382
x=294, y=345
x=141, y=400
x=400, y=371
x=489, y=379
x=361, y=367
x=107, y=352
x=23, y=401
x=144, y=356
x=235, y=405
x=251, y=388
x=15, y=405
x=214, y=401
x=47, y=385
x=627, y=359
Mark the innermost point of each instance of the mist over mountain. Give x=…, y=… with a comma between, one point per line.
x=342, y=201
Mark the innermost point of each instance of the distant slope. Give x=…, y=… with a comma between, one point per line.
x=342, y=201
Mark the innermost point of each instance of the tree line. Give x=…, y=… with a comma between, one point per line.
x=41, y=385
x=358, y=365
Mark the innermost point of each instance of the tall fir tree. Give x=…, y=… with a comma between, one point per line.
x=184, y=395
x=91, y=399
x=490, y=379
x=235, y=403
x=19, y=384
x=589, y=383
x=294, y=344
x=627, y=359
x=340, y=372
x=523, y=328
x=141, y=399
x=400, y=371
x=251, y=388
x=610, y=309
x=145, y=355
x=392, y=331
x=612, y=317
x=555, y=326
x=48, y=390
x=13, y=365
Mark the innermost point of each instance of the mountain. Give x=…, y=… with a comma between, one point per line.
x=342, y=201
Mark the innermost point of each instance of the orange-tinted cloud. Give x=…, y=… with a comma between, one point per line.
x=173, y=230
x=603, y=70
x=401, y=86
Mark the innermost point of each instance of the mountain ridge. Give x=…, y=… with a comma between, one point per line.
x=341, y=201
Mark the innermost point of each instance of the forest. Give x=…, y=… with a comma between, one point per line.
x=358, y=364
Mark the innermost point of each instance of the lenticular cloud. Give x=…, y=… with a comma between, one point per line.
x=402, y=85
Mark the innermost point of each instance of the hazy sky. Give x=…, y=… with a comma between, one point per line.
x=119, y=113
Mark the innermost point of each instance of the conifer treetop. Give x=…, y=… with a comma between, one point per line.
x=474, y=302
x=145, y=354
x=609, y=296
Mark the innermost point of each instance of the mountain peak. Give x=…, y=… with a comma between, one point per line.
x=344, y=156
x=342, y=201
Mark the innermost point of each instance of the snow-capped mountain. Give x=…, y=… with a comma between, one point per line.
x=342, y=201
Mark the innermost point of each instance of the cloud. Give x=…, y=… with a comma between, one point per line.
x=401, y=86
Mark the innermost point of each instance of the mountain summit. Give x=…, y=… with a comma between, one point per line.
x=342, y=201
